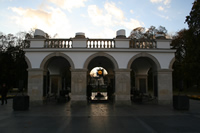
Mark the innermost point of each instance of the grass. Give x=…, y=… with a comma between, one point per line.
x=192, y=93
x=9, y=96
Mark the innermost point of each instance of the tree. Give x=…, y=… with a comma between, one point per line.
x=193, y=20
x=187, y=43
x=12, y=59
x=137, y=33
x=150, y=33
x=142, y=33
x=192, y=45
x=178, y=43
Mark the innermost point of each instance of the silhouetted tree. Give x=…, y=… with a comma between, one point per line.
x=187, y=43
x=192, y=57
x=142, y=33
x=12, y=58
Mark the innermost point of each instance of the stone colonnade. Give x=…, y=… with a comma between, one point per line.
x=119, y=52
x=79, y=85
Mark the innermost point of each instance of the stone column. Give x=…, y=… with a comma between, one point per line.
x=165, y=93
x=78, y=84
x=35, y=85
x=122, y=85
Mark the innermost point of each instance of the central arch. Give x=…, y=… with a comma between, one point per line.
x=100, y=55
x=101, y=85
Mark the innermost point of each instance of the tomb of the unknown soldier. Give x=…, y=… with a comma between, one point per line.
x=92, y=69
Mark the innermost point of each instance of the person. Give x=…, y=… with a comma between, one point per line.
x=4, y=91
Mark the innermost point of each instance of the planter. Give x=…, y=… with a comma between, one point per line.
x=181, y=102
x=20, y=103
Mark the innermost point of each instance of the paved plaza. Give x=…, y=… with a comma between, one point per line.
x=100, y=118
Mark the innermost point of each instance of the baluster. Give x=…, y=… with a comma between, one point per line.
x=109, y=45
x=51, y=46
x=70, y=44
x=59, y=44
x=113, y=44
x=147, y=44
x=137, y=44
x=99, y=44
x=64, y=43
x=88, y=44
x=95, y=44
x=105, y=44
x=91, y=44
x=102, y=44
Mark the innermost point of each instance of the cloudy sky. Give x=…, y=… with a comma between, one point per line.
x=96, y=18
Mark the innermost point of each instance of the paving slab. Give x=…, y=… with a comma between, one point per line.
x=100, y=117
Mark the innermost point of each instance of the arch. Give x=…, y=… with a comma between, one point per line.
x=144, y=55
x=44, y=61
x=171, y=63
x=28, y=63
x=100, y=54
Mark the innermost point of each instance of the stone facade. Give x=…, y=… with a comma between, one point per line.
x=119, y=56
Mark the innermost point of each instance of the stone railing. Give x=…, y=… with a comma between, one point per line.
x=100, y=43
x=94, y=43
x=143, y=43
x=58, y=43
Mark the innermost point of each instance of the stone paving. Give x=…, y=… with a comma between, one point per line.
x=100, y=118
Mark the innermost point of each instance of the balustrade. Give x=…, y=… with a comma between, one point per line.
x=58, y=43
x=143, y=43
x=97, y=43
x=100, y=43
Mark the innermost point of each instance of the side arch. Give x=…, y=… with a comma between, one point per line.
x=144, y=55
x=171, y=63
x=45, y=60
x=28, y=63
x=100, y=54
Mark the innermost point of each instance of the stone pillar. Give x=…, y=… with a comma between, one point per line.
x=35, y=84
x=122, y=85
x=78, y=84
x=165, y=93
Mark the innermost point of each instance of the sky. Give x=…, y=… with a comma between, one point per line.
x=96, y=18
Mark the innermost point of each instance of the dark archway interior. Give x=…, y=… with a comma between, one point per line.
x=58, y=76
x=143, y=76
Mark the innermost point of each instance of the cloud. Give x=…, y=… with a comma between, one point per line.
x=52, y=21
x=165, y=2
x=163, y=16
x=97, y=16
x=131, y=11
x=111, y=16
x=160, y=8
x=68, y=4
x=156, y=1
x=113, y=10
x=132, y=24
